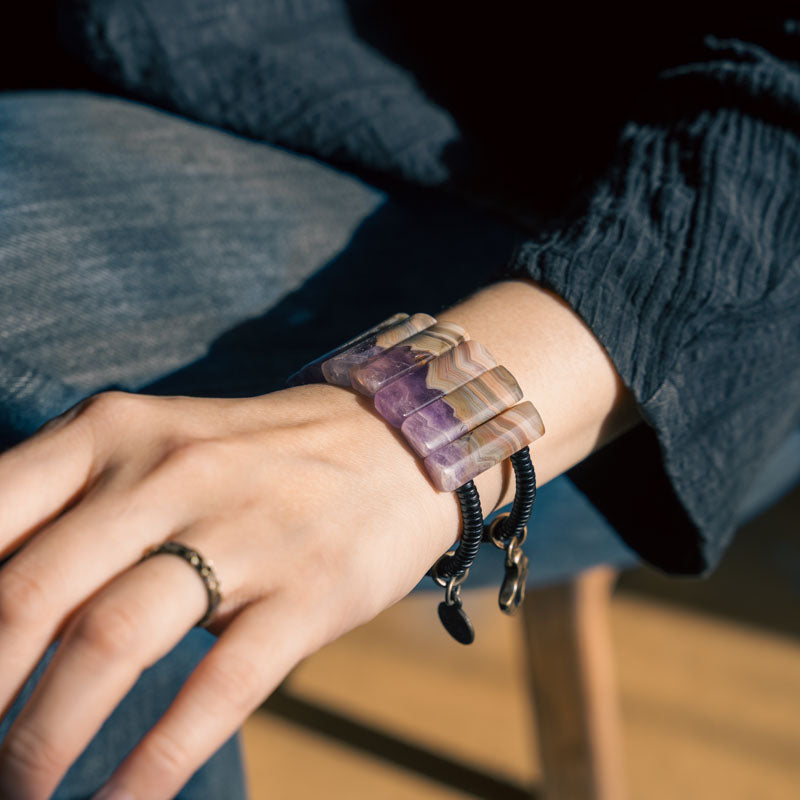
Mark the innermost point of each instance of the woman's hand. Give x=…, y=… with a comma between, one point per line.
x=313, y=513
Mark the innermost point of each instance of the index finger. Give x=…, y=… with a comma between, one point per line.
x=41, y=476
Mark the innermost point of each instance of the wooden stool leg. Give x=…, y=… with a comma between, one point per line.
x=574, y=692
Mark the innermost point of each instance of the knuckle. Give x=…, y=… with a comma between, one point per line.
x=109, y=632
x=236, y=686
x=166, y=755
x=34, y=758
x=106, y=404
x=23, y=599
x=102, y=414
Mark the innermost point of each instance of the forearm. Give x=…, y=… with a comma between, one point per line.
x=560, y=367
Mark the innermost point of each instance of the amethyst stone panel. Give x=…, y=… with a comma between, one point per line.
x=461, y=410
x=424, y=384
x=460, y=461
x=312, y=372
x=402, y=358
x=336, y=370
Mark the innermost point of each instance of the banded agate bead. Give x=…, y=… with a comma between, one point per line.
x=456, y=463
x=312, y=372
x=424, y=384
x=460, y=411
x=336, y=370
x=402, y=358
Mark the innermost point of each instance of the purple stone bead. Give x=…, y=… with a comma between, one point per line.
x=426, y=383
x=400, y=359
x=475, y=452
x=461, y=410
x=432, y=427
x=336, y=370
x=312, y=372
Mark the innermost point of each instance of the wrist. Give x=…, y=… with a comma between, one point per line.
x=560, y=366
x=342, y=426
x=439, y=385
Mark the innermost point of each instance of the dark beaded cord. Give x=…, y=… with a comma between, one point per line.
x=471, y=534
x=524, y=496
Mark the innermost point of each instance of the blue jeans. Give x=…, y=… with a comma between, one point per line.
x=145, y=252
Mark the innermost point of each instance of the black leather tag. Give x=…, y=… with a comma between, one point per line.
x=456, y=623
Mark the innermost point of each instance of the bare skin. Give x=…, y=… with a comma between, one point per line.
x=314, y=512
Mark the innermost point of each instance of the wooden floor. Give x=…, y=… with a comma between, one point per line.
x=709, y=677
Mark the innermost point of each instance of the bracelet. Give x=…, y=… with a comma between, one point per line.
x=458, y=410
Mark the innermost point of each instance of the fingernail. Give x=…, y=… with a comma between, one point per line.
x=113, y=793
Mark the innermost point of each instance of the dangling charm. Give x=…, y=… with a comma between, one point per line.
x=453, y=617
x=451, y=613
x=512, y=590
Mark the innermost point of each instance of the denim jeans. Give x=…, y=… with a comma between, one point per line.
x=142, y=251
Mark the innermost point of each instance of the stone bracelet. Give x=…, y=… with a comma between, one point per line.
x=452, y=402
x=458, y=410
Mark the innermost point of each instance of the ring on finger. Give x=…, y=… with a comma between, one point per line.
x=203, y=568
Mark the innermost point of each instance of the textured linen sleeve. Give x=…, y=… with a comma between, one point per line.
x=686, y=266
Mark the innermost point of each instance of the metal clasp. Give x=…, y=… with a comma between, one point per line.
x=512, y=590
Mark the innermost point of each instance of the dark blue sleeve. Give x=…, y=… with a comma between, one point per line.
x=686, y=266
